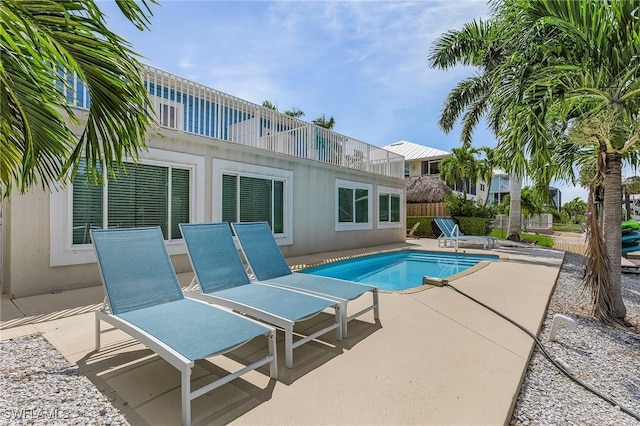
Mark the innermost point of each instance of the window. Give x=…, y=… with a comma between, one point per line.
x=253, y=199
x=140, y=195
x=244, y=192
x=407, y=169
x=176, y=196
x=434, y=167
x=168, y=113
x=353, y=205
x=389, y=207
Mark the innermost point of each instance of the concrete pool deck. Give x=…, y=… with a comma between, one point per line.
x=434, y=358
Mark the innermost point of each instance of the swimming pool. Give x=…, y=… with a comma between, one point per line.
x=400, y=270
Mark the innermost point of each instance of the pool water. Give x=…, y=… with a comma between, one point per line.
x=399, y=270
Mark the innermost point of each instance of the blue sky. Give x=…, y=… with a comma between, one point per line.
x=362, y=62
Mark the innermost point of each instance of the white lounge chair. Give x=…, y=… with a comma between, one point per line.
x=413, y=229
x=452, y=236
x=269, y=266
x=144, y=299
x=222, y=280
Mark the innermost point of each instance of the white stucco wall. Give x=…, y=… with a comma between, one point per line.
x=27, y=224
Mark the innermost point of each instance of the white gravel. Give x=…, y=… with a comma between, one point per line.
x=38, y=386
x=606, y=358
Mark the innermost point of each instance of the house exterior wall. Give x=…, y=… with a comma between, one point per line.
x=37, y=258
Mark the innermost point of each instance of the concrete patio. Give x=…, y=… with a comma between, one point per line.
x=435, y=357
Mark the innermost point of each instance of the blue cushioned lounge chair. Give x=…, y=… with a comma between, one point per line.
x=144, y=299
x=269, y=266
x=452, y=236
x=223, y=280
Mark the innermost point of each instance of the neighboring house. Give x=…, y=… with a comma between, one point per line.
x=212, y=158
x=501, y=187
x=420, y=160
x=556, y=197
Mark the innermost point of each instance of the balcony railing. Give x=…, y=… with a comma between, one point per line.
x=189, y=107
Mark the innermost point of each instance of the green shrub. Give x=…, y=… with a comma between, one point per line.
x=424, y=230
x=458, y=206
x=473, y=225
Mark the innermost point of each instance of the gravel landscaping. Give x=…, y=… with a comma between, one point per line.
x=606, y=358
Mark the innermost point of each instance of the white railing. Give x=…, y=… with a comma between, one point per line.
x=190, y=107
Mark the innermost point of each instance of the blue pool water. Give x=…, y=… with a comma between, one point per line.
x=399, y=270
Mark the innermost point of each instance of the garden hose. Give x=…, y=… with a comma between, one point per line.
x=558, y=365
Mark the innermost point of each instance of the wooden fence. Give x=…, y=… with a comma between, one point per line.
x=426, y=209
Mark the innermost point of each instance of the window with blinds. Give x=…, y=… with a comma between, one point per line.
x=140, y=195
x=253, y=199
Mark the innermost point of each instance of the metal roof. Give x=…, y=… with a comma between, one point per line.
x=412, y=151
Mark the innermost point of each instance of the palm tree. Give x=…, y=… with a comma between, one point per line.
x=40, y=37
x=461, y=165
x=269, y=105
x=485, y=168
x=324, y=123
x=574, y=209
x=569, y=62
x=593, y=86
x=295, y=112
x=479, y=43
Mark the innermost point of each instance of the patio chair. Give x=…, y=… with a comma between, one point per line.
x=223, y=280
x=451, y=234
x=143, y=298
x=413, y=229
x=269, y=266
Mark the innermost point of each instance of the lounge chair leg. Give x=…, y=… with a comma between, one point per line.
x=97, y=332
x=339, y=331
x=273, y=366
x=186, y=396
x=288, y=346
x=376, y=310
x=343, y=319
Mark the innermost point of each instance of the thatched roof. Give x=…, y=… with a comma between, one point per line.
x=426, y=189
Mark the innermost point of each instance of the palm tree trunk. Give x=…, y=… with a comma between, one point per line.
x=612, y=230
x=515, y=208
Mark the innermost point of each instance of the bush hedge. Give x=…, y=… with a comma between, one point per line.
x=473, y=225
x=424, y=230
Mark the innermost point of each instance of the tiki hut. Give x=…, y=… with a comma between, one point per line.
x=426, y=189
x=425, y=196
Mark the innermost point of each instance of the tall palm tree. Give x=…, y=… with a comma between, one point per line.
x=480, y=44
x=569, y=61
x=486, y=166
x=461, y=165
x=593, y=84
x=40, y=37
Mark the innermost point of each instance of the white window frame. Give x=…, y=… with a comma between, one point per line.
x=353, y=226
x=62, y=251
x=159, y=102
x=385, y=190
x=221, y=167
